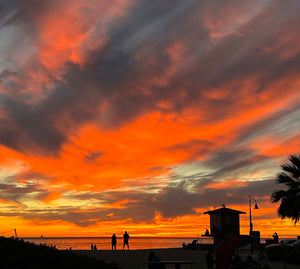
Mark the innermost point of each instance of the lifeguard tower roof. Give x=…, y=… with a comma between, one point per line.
x=224, y=210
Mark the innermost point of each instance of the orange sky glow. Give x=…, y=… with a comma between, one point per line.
x=142, y=115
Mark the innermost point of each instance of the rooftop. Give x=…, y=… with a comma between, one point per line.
x=224, y=210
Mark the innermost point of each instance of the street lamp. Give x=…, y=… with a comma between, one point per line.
x=255, y=207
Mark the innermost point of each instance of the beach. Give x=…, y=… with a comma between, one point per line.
x=136, y=259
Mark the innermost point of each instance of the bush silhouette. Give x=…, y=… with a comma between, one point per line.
x=17, y=254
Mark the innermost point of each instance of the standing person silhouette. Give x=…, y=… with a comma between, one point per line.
x=125, y=240
x=276, y=238
x=113, y=242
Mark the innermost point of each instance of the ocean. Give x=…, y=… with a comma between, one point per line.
x=104, y=243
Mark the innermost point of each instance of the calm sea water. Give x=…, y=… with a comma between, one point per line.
x=105, y=242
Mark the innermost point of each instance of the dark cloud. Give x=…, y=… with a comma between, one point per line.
x=92, y=156
x=179, y=201
x=282, y=124
x=8, y=11
x=195, y=147
x=6, y=74
x=172, y=201
x=25, y=128
x=14, y=193
x=210, y=197
x=108, y=76
x=229, y=161
x=116, y=76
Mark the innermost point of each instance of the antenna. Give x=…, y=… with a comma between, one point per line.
x=16, y=233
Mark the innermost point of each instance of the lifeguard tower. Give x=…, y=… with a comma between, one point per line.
x=224, y=221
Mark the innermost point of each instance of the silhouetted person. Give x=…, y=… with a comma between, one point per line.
x=92, y=247
x=125, y=240
x=113, y=242
x=209, y=259
x=152, y=257
x=193, y=245
x=95, y=247
x=276, y=239
x=206, y=232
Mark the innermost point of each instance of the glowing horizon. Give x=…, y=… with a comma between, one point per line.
x=141, y=115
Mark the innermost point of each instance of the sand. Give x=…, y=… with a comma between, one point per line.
x=135, y=259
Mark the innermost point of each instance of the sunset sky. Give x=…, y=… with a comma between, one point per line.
x=141, y=115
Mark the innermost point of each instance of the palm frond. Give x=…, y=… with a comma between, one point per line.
x=278, y=195
x=283, y=178
x=292, y=169
x=295, y=160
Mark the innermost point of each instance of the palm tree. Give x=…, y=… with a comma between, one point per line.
x=289, y=197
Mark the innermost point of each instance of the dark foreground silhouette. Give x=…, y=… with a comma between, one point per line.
x=15, y=253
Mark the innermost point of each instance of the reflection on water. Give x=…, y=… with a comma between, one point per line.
x=105, y=242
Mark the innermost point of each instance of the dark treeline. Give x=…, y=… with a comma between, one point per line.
x=15, y=253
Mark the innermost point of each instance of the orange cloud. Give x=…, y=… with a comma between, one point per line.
x=228, y=183
x=70, y=30
x=220, y=22
x=54, y=195
x=62, y=33
x=269, y=146
x=4, y=203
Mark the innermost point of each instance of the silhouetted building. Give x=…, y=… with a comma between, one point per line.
x=224, y=221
